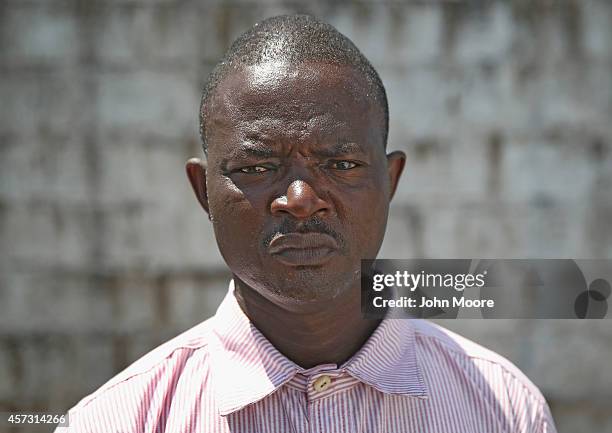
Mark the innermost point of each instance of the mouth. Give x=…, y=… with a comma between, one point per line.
x=303, y=249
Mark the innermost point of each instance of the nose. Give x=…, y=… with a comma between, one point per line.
x=301, y=201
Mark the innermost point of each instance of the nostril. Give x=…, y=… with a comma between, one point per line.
x=281, y=201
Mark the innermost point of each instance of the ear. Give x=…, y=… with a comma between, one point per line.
x=395, y=165
x=196, y=173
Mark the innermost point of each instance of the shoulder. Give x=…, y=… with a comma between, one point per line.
x=434, y=337
x=126, y=402
x=479, y=371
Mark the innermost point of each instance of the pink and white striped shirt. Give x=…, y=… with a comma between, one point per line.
x=224, y=376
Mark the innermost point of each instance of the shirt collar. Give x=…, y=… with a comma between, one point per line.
x=388, y=360
x=246, y=367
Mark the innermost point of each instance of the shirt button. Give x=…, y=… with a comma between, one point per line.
x=322, y=383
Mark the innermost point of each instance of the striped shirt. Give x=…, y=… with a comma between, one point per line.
x=224, y=376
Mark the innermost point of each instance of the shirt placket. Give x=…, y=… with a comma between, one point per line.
x=319, y=390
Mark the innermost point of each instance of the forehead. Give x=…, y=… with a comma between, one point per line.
x=278, y=98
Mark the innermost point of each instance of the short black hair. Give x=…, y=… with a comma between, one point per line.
x=293, y=38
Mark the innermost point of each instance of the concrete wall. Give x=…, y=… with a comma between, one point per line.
x=504, y=109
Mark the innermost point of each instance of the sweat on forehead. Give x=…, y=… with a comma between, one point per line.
x=293, y=39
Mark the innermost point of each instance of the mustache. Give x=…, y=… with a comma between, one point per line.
x=312, y=225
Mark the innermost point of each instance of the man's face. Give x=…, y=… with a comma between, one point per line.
x=298, y=181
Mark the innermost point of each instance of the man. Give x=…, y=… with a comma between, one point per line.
x=297, y=185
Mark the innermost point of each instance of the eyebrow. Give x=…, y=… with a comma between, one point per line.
x=341, y=148
x=250, y=149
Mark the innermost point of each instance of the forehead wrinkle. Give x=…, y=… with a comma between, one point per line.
x=274, y=131
x=262, y=126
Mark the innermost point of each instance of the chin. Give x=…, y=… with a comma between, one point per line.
x=302, y=285
x=307, y=286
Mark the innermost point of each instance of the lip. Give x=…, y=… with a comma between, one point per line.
x=303, y=249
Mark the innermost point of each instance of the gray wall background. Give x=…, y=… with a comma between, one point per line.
x=504, y=109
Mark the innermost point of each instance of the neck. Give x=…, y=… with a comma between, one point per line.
x=329, y=334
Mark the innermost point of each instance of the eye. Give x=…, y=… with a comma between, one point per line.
x=343, y=165
x=253, y=169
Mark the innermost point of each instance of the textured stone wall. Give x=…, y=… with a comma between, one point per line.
x=504, y=109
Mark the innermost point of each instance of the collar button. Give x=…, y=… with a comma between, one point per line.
x=322, y=383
